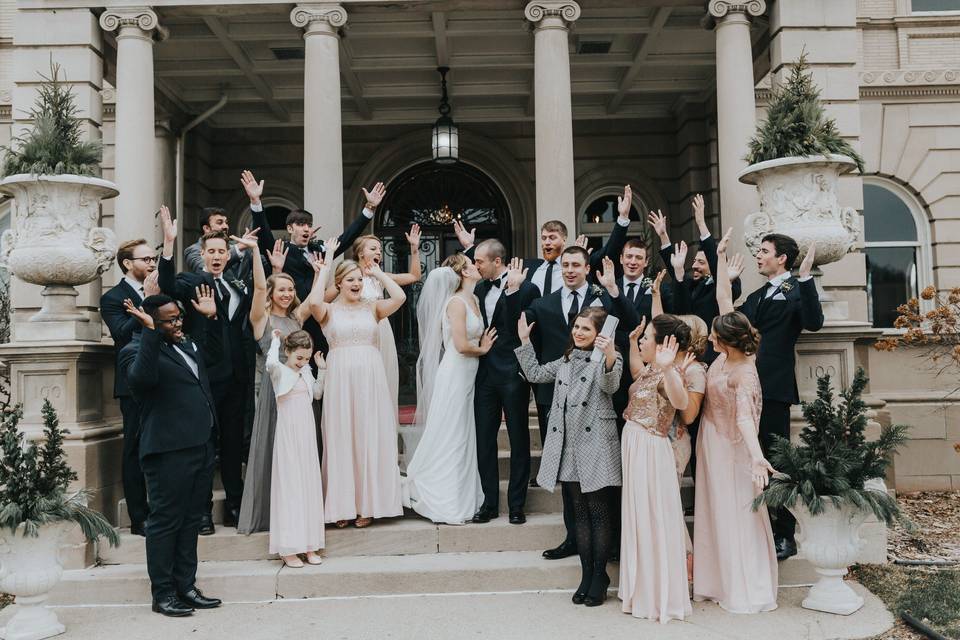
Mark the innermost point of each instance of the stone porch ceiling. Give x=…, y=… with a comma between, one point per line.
x=629, y=59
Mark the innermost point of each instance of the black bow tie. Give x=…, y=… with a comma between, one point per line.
x=494, y=283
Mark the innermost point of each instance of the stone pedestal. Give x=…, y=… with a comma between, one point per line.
x=77, y=378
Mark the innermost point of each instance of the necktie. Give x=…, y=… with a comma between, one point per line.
x=768, y=291
x=632, y=292
x=223, y=294
x=548, y=279
x=574, y=308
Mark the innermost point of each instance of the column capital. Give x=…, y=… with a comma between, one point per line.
x=721, y=8
x=324, y=17
x=143, y=18
x=567, y=11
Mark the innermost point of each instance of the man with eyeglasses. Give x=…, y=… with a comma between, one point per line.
x=138, y=263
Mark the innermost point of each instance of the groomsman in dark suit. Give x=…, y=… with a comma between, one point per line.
x=500, y=390
x=226, y=342
x=700, y=287
x=553, y=316
x=301, y=247
x=211, y=219
x=168, y=377
x=780, y=310
x=138, y=263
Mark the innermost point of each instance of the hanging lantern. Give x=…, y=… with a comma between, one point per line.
x=446, y=135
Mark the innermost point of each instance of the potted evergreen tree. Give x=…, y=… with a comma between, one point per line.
x=796, y=157
x=831, y=482
x=51, y=172
x=36, y=510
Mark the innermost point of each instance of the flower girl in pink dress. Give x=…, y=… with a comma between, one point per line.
x=296, y=490
x=735, y=561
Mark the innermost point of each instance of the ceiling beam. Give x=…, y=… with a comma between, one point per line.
x=439, y=19
x=246, y=65
x=643, y=52
x=352, y=81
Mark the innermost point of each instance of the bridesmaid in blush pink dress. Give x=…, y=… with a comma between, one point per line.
x=735, y=561
x=360, y=471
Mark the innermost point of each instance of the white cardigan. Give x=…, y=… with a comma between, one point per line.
x=284, y=378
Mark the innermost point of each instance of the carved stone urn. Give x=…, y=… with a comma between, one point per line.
x=55, y=242
x=29, y=568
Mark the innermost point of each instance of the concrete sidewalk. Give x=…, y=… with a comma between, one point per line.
x=505, y=616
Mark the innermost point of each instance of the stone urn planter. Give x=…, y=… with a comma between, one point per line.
x=29, y=568
x=798, y=197
x=55, y=241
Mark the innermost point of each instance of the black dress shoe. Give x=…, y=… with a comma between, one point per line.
x=534, y=483
x=171, y=606
x=231, y=517
x=195, y=598
x=578, y=597
x=598, y=588
x=566, y=549
x=138, y=529
x=786, y=547
x=484, y=515
x=206, y=526
x=517, y=517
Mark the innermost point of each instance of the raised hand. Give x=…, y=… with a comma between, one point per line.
x=760, y=471
x=317, y=262
x=807, y=265
x=606, y=346
x=248, y=240
x=657, y=283
x=688, y=359
x=318, y=359
x=607, y=276
x=666, y=353
x=724, y=241
x=331, y=245
x=678, y=259
x=278, y=257
x=205, y=302
x=583, y=241
x=624, y=203
x=516, y=274
x=144, y=318
x=487, y=339
x=699, y=213
x=151, y=284
x=465, y=237
x=168, y=224
x=734, y=267
x=524, y=329
x=659, y=223
x=375, y=196
x=253, y=188
x=637, y=333
x=413, y=238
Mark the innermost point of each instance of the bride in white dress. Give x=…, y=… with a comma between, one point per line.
x=442, y=481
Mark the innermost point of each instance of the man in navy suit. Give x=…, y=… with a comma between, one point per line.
x=167, y=374
x=500, y=390
x=138, y=263
x=211, y=219
x=780, y=310
x=553, y=316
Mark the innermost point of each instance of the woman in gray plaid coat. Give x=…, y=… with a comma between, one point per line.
x=582, y=450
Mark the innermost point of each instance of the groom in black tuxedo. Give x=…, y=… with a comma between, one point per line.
x=227, y=344
x=168, y=377
x=553, y=316
x=780, y=310
x=500, y=390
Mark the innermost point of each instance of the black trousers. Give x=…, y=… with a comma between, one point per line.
x=510, y=398
x=178, y=483
x=569, y=514
x=775, y=420
x=134, y=484
x=230, y=399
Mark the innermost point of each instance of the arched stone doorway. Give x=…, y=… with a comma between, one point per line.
x=433, y=196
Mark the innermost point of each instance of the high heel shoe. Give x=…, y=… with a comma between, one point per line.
x=579, y=597
x=294, y=562
x=598, y=587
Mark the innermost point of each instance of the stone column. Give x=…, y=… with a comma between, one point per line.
x=135, y=160
x=736, y=118
x=553, y=114
x=322, y=144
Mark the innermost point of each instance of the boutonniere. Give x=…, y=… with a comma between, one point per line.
x=785, y=287
x=646, y=283
x=596, y=290
x=238, y=285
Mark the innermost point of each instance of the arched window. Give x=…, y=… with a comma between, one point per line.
x=600, y=214
x=896, y=244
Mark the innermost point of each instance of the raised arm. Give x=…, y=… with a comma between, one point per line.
x=637, y=365
x=388, y=306
x=811, y=313
x=416, y=269
x=258, y=304
x=618, y=235
x=315, y=302
x=166, y=271
x=321, y=375
x=355, y=229
x=272, y=363
x=458, y=328
x=140, y=366
x=612, y=365
x=656, y=305
x=724, y=291
x=254, y=190
x=121, y=325
x=533, y=371
x=673, y=385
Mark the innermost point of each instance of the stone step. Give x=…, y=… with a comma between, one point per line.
x=400, y=536
x=503, y=438
x=267, y=580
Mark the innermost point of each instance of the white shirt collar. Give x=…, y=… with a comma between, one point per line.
x=581, y=292
x=776, y=281
x=637, y=281
x=137, y=286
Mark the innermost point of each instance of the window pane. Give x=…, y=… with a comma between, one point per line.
x=886, y=217
x=604, y=209
x=936, y=5
x=891, y=281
